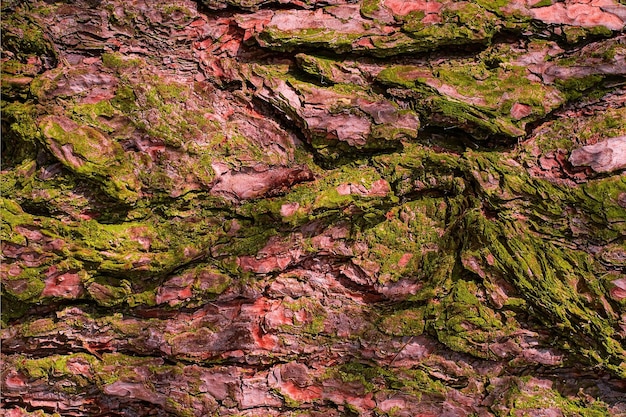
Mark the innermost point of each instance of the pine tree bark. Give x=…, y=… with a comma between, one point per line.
x=282, y=208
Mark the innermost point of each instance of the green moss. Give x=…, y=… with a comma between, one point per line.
x=603, y=195
x=472, y=96
x=407, y=240
x=28, y=285
x=55, y=366
x=182, y=410
x=12, y=216
x=575, y=88
x=12, y=308
x=38, y=328
x=22, y=134
x=23, y=35
x=216, y=284
x=569, y=133
x=43, y=84
x=358, y=372
x=93, y=155
x=463, y=23
x=399, y=43
x=542, y=3
x=322, y=68
x=119, y=62
x=526, y=396
x=413, y=382
x=311, y=37
x=179, y=14
x=171, y=91
x=289, y=402
x=401, y=75
x=145, y=298
x=315, y=316
x=600, y=30
x=369, y=7
x=95, y=115
x=465, y=324
x=120, y=367
x=478, y=81
x=493, y=5
x=544, y=274
x=109, y=295
x=124, y=99
x=480, y=120
x=408, y=322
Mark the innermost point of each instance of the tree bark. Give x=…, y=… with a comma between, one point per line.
x=283, y=208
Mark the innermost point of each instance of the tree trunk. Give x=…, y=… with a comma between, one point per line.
x=326, y=208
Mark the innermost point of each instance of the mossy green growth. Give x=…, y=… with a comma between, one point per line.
x=413, y=382
x=90, y=113
x=38, y=327
x=56, y=366
x=323, y=38
x=93, y=155
x=577, y=34
x=345, y=101
x=12, y=308
x=21, y=138
x=44, y=84
x=12, y=216
x=569, y=133
x=142, y=252
x=527, y=395
x=398, y=43
x=475, y=97
x=24, y=36
x=126, y=327
x=600, y=200
x=320, y=67
x=120, y=367
x=493, y=85
x=24, y=284
x=541, y=3
x=108, y=295
x=253, y=238
x=161, y=110
x=312, y=313
x=369, y=7
x=408, y=240
x=465, y=323
x=144, y=298
x=417, y=169
x=205, y=281
x=402, y=75
x=119, y=62
x=547, y=274
x=408, y=322
x=575, y=88
x=124, y=99
x=462, y=23
x=149, y=95
x=322, y=199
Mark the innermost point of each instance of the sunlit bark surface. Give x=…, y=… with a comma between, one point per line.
x=324, y=208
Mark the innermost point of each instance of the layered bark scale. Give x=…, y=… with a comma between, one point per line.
x=377, y=208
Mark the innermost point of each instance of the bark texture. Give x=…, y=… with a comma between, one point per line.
x=326, y=208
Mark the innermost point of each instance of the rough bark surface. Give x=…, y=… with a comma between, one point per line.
x=331, y=208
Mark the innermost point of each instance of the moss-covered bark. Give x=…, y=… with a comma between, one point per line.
x=381, y=208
